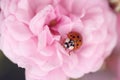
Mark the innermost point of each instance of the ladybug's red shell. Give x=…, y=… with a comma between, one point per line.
x=77, y=38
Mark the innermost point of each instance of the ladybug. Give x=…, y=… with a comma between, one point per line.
x=73, y=41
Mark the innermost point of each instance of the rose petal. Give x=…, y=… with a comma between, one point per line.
x=69, y=68
x=37, y=23
x=27, y=48
x=56, y=75
x=34, y=73
x=18, y=30
x=52, y=64
x=45, y=38
x=65, y=25
x=87, y=50
x=73, y=73
x=53, y=75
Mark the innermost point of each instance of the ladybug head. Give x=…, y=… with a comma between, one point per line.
x=69, y=44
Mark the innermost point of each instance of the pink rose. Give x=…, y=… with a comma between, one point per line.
x=33, y=35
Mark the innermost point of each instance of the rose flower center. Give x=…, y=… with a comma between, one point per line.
x=53, y=24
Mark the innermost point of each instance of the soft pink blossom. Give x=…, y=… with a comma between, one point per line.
x=28, y=39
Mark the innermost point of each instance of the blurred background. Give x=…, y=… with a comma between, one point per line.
x=9, y=70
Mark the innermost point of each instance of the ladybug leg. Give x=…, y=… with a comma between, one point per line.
x=70, y=52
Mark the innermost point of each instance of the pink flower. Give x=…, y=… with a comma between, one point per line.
x=33, y=35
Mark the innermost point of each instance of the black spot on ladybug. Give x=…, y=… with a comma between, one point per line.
x=78, y=37
x=77, y=44
x=73, y=36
